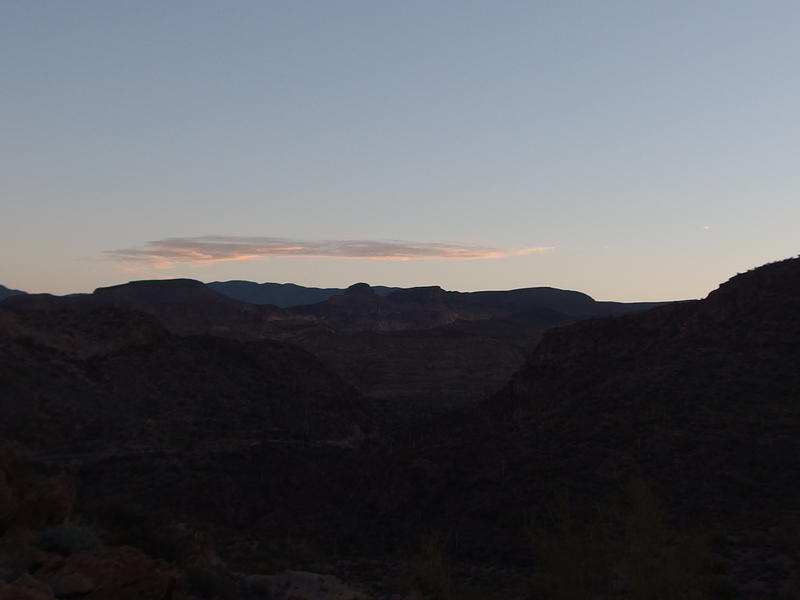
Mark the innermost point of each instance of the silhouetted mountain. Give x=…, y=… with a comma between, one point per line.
x=6, y=292
x=699, y=399
x=359, y=308
x=283, y=295
x=184, y=306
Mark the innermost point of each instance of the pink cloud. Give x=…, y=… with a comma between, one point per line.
x=200, y=250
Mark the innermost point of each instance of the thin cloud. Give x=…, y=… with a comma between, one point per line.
x=200, y=250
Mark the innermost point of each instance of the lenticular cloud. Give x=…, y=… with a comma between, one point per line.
x=167, y=252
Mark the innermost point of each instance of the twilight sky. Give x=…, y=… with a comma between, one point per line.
x=633, y=150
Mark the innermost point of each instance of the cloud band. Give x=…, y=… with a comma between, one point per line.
x=168, y=252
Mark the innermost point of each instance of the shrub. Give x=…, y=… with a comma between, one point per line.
x=430, y=570
x=626, y=544
x=207, y=584
x=67, y=538
x=573, y=557
x=429, y=567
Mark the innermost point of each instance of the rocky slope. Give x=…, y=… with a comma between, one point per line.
x=6, y=292
x=201, y=429
x=700, y=400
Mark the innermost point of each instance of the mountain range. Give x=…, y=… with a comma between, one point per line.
x=617, y=451
x=415, y=350
x=283, y=295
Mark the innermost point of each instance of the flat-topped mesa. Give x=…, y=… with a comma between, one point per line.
x=189, y=307
x=360, y=289
x=161, y=290
x=183, y=306
x=430, y=293
x=358, y=300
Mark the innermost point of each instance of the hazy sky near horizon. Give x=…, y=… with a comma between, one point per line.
x=633, y=150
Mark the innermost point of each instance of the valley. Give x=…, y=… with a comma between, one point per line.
x=411, y=443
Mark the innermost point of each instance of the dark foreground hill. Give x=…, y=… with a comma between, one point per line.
x=699, y=400
x=6, y=292
x=647, y=455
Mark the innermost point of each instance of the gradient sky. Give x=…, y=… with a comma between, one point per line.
x=633, y=150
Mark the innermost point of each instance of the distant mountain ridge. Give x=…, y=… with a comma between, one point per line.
x=424, y=346
x=288, y=295
x=283, y=295
x=6, y=292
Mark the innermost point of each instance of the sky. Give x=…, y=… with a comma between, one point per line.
x=632, y=150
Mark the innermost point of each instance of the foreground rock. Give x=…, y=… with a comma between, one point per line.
x=303, y=585
x=112, y=573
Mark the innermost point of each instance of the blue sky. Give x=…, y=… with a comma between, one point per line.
x=632, y=150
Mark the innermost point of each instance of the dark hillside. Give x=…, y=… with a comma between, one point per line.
x=84, y=380
x=701, y=400
x=6, y=292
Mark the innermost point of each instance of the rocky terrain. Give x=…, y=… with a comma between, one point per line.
x=6, y=292
x=644, y=455
x=698, y=400
x=79, y=377
x=412, y=352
